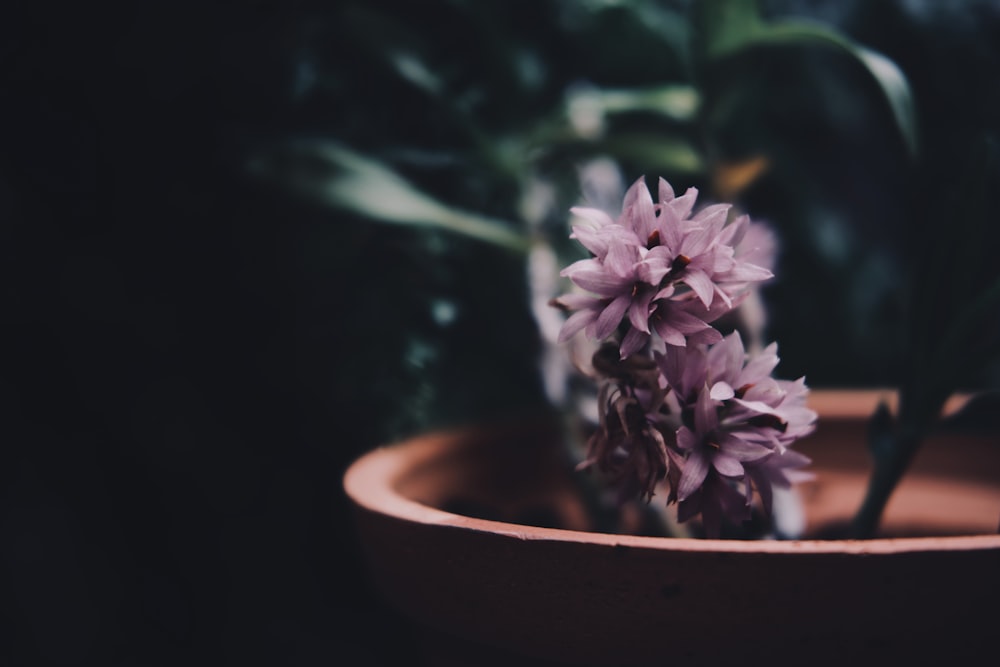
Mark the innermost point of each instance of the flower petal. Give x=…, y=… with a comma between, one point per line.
x=671, y=234
x=575, y=323
x=757, y=406
x=759, y=366
x=713, y=215
x=576, y=301
x=666, y=191
x=611, y=316
x=654, y=266
x=669, y=333
x=632, y=194
x=600, y=282
x=590, y=264
x=695, y=472
x=621, y=258
x=594, y=240
x=700, y=283
x=639, y=310
x=722, y=391
x=593, y=215
x=707, y=336
x=643, y=213
x=686, y=439
x=727, y=465
x=633, y=342
x=725, y=360
x=734, y=232
x=683, y=205
x=742, y=450
x=706, y=419
x=745, y=272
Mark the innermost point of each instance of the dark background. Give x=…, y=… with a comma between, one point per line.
x=193, y=355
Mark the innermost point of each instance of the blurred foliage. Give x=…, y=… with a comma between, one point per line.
x=842, y=125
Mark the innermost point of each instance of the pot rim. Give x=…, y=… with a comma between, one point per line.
x=371, y=480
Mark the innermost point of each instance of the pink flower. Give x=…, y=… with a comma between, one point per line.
x=714, y=456
x=741, y=423
x=680, y=406
x=619, y=281
x=652, y=266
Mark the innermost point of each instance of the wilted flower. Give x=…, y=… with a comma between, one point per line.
x=628, y=444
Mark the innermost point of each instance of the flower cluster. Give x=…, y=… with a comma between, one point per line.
x=679, y=404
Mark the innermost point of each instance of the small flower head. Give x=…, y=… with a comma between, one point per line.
x=740, y=426
x=657, y=269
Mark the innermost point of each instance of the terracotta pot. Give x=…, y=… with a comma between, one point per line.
x=508, y=592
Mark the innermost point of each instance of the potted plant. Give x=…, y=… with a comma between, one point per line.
x=490, y=538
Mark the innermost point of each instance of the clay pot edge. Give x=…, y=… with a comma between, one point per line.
x=370, y=483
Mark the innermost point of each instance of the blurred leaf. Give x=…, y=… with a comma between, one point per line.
x=655, y=152
x=668, y=23
x=411, y=68
x=729, y=25
x=631, y=25
x=679, y=102
x=733, y=26
x=588, y=106
x=336, y=176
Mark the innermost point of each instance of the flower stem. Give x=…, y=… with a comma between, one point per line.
x=889, y=469
x=893, y=444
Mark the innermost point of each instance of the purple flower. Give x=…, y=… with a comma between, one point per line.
x=676, y=321
x=781, y=469
x=730, y=375
x=617, y=276
x=713, y=455
x=652, y=266
x=757, y=245
x=717, y=499
x=753, y=256
x=679, y=405
x=753, y=395
x=737, y=422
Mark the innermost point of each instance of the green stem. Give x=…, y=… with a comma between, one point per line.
x=889, y=468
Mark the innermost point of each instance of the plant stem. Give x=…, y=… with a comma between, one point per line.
x=889, y=468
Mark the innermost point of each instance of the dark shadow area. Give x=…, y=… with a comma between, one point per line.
x=176, y=404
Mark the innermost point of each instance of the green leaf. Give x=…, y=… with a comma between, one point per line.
x=587, y=107
x=679, y=102
x=728, y=25
x=364, y=186
x=734, y=26
x=654, y=152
